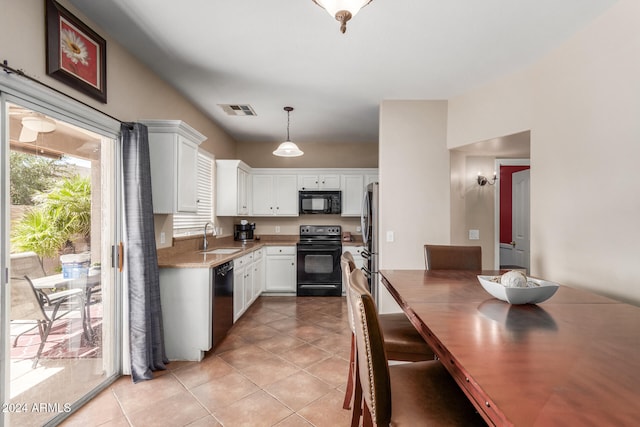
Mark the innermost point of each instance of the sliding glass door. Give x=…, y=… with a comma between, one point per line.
x=60, y=286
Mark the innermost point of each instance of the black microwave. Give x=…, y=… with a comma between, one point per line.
x=319, y=202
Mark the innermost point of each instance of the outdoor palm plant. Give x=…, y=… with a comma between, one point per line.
x=57, y=216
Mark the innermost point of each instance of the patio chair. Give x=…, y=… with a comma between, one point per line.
x=32, y=305
x=26, y=264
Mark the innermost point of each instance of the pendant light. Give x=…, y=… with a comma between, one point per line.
x=342, y=10
x=288, y=148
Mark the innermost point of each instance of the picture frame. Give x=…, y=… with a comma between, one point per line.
x=76, y=55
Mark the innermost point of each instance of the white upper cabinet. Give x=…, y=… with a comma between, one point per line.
x=319, y=182
x=173, y=152
x=233, y=188
x=352, y=194
x=275, y=195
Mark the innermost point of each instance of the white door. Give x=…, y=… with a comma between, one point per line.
x=520, y=210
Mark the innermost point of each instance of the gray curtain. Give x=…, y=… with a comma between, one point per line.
x=146, y=336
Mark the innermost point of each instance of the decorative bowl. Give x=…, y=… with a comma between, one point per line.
x=537, y=290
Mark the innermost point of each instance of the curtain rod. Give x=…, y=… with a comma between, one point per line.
x=10, y=70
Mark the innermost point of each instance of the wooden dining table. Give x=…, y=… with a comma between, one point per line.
x=573, y=360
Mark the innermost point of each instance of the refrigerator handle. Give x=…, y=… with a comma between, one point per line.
x=364, y=218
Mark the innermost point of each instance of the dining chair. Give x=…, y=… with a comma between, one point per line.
x=402, y=341
x=409, y=394
x=449, y=257
x=32, y=305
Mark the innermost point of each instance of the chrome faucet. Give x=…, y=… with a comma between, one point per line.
x=204, y=234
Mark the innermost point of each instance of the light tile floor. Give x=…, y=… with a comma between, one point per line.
x=284, y=363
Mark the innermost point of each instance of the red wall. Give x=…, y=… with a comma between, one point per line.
x=505, y=201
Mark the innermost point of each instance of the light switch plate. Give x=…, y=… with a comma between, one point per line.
x=390, y=236
x=474, y=234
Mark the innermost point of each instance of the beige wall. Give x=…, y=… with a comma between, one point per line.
x=133, y=91
x=316, y=155
x=414, y=180
x=582, y=106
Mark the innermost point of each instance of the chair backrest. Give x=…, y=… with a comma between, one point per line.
x=25, y=304
x=348, y=265
x=26, y=264
x=445, y=257
x=373, y=367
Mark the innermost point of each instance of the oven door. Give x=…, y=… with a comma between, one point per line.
x=319, y=271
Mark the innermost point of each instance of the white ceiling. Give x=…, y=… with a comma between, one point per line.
x=273, y=53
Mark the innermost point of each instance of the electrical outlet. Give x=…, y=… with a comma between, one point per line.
x=277, y=228
x=358, y=229
x=163, y=238
x=474, y=234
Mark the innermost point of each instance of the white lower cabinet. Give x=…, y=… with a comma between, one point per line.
x=186, y=295
x=280, y=269
x=248, y=281
x=238, y=291
x=258, y=273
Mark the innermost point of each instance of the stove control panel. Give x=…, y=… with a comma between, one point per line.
x=320, y=230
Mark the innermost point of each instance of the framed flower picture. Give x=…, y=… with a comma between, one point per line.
x=76, y=55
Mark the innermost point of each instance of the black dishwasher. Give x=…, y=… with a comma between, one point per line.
x=222, y=301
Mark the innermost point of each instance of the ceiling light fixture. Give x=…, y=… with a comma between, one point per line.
x=288, y=148
x=342, y=10
x=34, y=124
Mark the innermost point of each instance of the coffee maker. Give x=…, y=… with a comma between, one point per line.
x=244, y=231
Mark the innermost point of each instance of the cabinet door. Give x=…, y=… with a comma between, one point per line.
x=263, y=195
x=286, y=193
x=187, y=175
x=368, y=179
x=352, y=193
x=243, y=192
x=329, y=182
x=248, y=286
x=308, y=182
x=281, y=273
x=258, y=277
x=238, y=292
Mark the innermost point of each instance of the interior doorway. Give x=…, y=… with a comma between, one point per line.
x=512, y=214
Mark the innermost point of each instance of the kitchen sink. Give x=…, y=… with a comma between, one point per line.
x=223, y=251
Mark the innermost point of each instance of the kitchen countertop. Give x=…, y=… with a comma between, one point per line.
x=185, y=253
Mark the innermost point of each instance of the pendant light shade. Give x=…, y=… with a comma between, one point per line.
x=288, y=148
x=342, y=10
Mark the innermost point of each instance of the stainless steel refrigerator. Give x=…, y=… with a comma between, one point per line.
x=369, y=222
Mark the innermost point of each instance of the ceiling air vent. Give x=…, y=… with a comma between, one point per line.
x=238, y=109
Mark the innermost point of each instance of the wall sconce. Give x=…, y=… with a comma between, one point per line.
x=483, y=180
